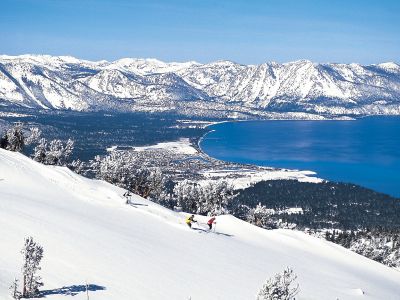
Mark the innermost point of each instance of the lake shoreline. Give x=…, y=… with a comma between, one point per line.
x=275, y=164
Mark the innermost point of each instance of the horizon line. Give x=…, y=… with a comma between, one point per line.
x=27, y=55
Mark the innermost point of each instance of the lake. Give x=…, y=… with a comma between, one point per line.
x=365, y=151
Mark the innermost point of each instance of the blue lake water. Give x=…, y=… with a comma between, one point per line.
x=365, y=151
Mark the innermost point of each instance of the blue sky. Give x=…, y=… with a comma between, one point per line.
x=248, y=32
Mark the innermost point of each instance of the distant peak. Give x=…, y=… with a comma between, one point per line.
x=50, y=59
x=129, y=60
x=223, y=62
x=300, y=62
x=389, y=65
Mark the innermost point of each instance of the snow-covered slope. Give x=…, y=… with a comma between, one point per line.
x=142, y=84
x=145, y=251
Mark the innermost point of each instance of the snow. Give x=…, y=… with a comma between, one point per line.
x=194, y=124
x=145, y=251
x=182, y=146
x=60, y=82
x=149, y=65
x=389, y=66
x=47, y=60
x=245, y=178
x=13, y=114
x=112, y=148
x=292, y=211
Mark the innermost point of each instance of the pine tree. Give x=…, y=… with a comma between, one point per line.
x=15, y=293
x=122, y=169
x=212, y=198
x=39, y=152
x=188, y=196
x=33, y=254
x=14, y=139
x=261, y=216
x=4, y=141
x=33, y=136
x=78, y=167
x=53, y=153
x=219, y=195
x=280, y=287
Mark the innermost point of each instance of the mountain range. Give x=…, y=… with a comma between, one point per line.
x=222, y=87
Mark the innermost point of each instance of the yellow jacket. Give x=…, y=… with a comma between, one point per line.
x=189, y=220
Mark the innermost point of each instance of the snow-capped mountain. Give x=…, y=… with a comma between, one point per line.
x=141, y=84
x=145, y=251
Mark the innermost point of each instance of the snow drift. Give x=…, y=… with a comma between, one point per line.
x=144, y=251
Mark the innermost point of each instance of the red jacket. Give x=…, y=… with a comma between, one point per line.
x=211, y=221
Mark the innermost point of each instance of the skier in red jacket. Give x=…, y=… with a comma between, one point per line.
x=211, y=221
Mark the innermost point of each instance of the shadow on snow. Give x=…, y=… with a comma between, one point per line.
x=135, y=204
x=72, y=290
x=208, y=231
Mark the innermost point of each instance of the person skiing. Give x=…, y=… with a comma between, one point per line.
x=127, y=196
x=190, y=220
x=211, y=222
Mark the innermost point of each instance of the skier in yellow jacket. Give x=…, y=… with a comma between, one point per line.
x=190, y=220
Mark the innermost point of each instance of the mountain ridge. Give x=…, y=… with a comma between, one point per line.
x=132, y=84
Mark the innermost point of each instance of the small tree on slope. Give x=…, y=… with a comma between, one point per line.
x=280, y=287
x=14, y=289
x=33, y=254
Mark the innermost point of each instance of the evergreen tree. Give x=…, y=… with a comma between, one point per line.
x=218, y=196
x=53, y=153
x=15, y=293
x=280, y=287
x=4, y=141
x=78, y=167
x=212, y=198
x=33, y=136
x=260, y=216
x=33, y=254
x=14, y=139
x=188, y=194
x=122, y=169
x=39, y=152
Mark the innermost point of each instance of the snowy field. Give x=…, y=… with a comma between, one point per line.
x=247, y=177
x=182, y=146
x=144, y=251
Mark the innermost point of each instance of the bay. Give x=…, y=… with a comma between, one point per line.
x=365, y=151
